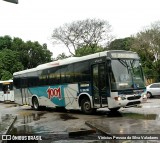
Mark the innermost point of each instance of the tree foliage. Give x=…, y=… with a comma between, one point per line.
x=5, y=42
x=35, y=54
x=16, y=55
x=86, y=50
x=121, y=44
x=84, y=33
x=62, y=56
x=147, y=45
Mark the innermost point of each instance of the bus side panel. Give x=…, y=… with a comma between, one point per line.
x=49, y=96
x=71, y=96
x=12, y=96
x=9, y=96
x=60, y=95
x=18, y=97
x=23, y=96
x=1, y=96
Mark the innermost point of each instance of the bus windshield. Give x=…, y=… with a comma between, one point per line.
x=126, y=74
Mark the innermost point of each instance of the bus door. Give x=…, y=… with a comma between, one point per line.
x=100, y=88
x=23, y=90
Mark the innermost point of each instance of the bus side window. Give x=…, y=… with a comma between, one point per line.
x=81, y=71
x=16, y=82
x=32, y=80
x=11, y=86
x=57, y=77
x=63, y=74
x=43, y=77
x=69, y=74
x=54, y=76
x=0, y=87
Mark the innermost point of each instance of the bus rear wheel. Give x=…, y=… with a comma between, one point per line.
x=35, y=103
x=86, y=106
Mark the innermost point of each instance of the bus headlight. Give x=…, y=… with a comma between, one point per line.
x=144, y=96
x=117, y=98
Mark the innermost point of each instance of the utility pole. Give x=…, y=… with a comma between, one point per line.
x=12, y=1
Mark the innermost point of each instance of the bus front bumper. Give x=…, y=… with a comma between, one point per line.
x=127, y=101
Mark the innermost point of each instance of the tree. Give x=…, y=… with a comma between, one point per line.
x=35, y=54
x=16, y=55
x=31, y=53
x=84, y=33
x=5, y=42
x=61, y=56
x=121, y=44
x=6, y=75
x=147, y=45
x=9, y=63
x=86, y=50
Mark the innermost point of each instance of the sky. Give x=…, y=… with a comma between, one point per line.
x=35, y=20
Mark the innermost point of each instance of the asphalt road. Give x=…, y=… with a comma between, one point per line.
x=55, y=125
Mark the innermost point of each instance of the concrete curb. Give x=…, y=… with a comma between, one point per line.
x=13, y=120
x=81, y=132
x=98, y=128
x=8, y=127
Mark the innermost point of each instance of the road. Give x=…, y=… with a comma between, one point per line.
x=55, y=125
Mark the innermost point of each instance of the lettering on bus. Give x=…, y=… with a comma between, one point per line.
x=54, y=92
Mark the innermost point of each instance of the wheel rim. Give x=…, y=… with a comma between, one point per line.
x=148, y=95
x=35, y=102
x=87, y=106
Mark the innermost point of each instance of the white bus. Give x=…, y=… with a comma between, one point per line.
x=6, y=91
x=110, y=79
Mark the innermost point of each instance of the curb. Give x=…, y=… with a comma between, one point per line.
x=11, y=125
x=81, y=132
x=8, y=128
x=98, y=128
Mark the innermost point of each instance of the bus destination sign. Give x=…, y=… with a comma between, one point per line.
x=125, y=55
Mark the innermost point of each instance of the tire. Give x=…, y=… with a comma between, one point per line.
x=114, y=109
x=35, y=103
x=149, y=95
x=86, y=106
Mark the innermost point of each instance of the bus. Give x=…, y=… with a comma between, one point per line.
x=111, y=79
x=6, y=91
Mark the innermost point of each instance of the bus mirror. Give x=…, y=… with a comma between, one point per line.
x=108, y=64
x=12, y=1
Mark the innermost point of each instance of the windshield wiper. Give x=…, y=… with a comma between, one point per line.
x=124, y=63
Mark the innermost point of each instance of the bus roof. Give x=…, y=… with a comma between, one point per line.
x=71, y=60
x=6, y=81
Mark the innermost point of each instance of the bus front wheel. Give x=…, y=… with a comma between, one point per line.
x=35, y=103
x=149, y=95
x=86, y=106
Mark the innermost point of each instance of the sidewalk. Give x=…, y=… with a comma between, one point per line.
x=125, y=126
x=6, y=123
x=143, y=121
